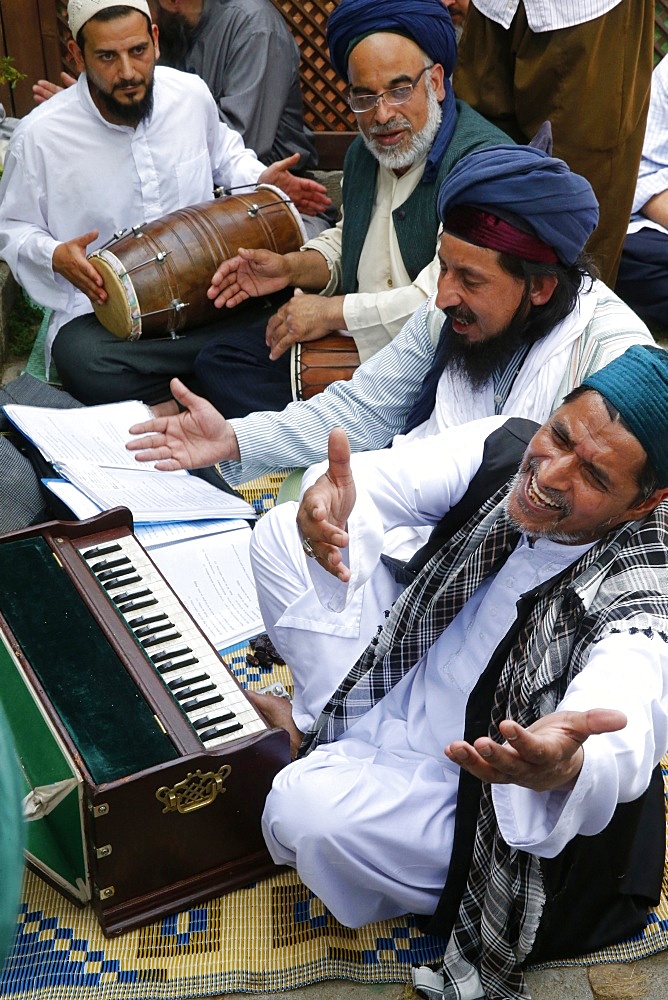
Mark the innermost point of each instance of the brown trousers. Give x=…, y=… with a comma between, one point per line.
x=590, y=81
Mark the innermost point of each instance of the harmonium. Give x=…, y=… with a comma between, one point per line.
x=145, y=765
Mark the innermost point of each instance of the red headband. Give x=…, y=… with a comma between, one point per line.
x=487, y=230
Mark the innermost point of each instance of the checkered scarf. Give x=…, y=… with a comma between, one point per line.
x=416, y=620
x=619, y=584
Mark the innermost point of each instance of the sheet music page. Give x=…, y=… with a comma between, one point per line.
x=91, y=434
x=154, y=496
x=213, y=578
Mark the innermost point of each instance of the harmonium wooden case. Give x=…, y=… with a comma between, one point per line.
x=145, y=765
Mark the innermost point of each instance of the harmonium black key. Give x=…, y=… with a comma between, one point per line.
x=174, y=645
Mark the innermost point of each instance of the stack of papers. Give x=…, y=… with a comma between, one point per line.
x=191, y=530
x=87, y=447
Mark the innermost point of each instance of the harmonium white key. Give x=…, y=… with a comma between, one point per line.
x=145, y=764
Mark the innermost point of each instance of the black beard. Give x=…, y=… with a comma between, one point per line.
x=175, y=38
x=124, y=114
x=476, y=363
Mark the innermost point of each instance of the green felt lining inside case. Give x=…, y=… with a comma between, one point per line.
x=96, y=699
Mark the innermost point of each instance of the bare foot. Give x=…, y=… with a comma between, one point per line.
x=278, y=713
x=167, y=409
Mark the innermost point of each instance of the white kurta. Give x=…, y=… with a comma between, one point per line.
x=386, y=296
x=69, y=171
x=299, y=616
x=653, y=170
x=367, y=821
x=546, y=15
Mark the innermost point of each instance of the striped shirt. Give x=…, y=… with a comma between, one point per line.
x=546, y=15
x=653, y=172
x=372, y=407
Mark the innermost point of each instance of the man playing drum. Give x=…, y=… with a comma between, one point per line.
x=128, y=144
x=377, y=265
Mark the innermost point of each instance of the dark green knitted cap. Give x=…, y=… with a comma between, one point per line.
x=637, y=384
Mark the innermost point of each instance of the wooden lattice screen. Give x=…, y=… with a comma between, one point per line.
x=660, y=30
x=35, y=33
x=325, y=107
x=63, y=34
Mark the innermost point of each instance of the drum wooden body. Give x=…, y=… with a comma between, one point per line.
x=318, y=363
x=157, y=276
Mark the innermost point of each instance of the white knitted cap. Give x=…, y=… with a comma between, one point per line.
x=80, y=11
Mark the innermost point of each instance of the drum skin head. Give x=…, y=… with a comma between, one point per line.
x=115, y=314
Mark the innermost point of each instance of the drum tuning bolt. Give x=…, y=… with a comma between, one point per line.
x=160, y=257
x=117, y=235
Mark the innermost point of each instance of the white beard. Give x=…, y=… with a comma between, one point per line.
x=420, y=142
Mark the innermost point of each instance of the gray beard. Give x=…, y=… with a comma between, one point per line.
x=561, y=537
x=420, y=142
x=552, y=535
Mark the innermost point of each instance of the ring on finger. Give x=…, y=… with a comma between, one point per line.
x=308, y=548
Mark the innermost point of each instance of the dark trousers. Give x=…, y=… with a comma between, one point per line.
x=97, y=367
x=234, y=371
x=591, y=81
x=642, y=280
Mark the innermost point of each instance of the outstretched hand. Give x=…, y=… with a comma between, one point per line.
x=197, y=437
x=309, y=197
x=326, y=506
x=546, y=755
x=249, y=274
x=43, y=90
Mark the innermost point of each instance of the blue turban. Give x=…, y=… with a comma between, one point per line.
x=524, y=185
x=426, y=22
x=636, y=383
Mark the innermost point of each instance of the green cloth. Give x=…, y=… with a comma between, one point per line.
x=11, y=838
x=416, y=222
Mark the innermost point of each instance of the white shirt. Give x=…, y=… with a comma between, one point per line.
x=69, y=171
x=424, y=712
x=653, y=171
x=386, y=296
x=546, y=15
x=546, y=376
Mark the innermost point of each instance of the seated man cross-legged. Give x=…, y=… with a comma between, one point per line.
x=642, y=280
x=128, y=144
x=481, y=746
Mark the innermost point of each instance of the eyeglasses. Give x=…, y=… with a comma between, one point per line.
x=398, y=95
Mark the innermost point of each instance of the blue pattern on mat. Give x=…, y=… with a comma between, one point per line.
x=46, y=954
x=172, y=929
x=245, y=673
x=407, y=946
x=264, y=502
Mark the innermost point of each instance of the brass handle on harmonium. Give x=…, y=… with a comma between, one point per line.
x=198, y=789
